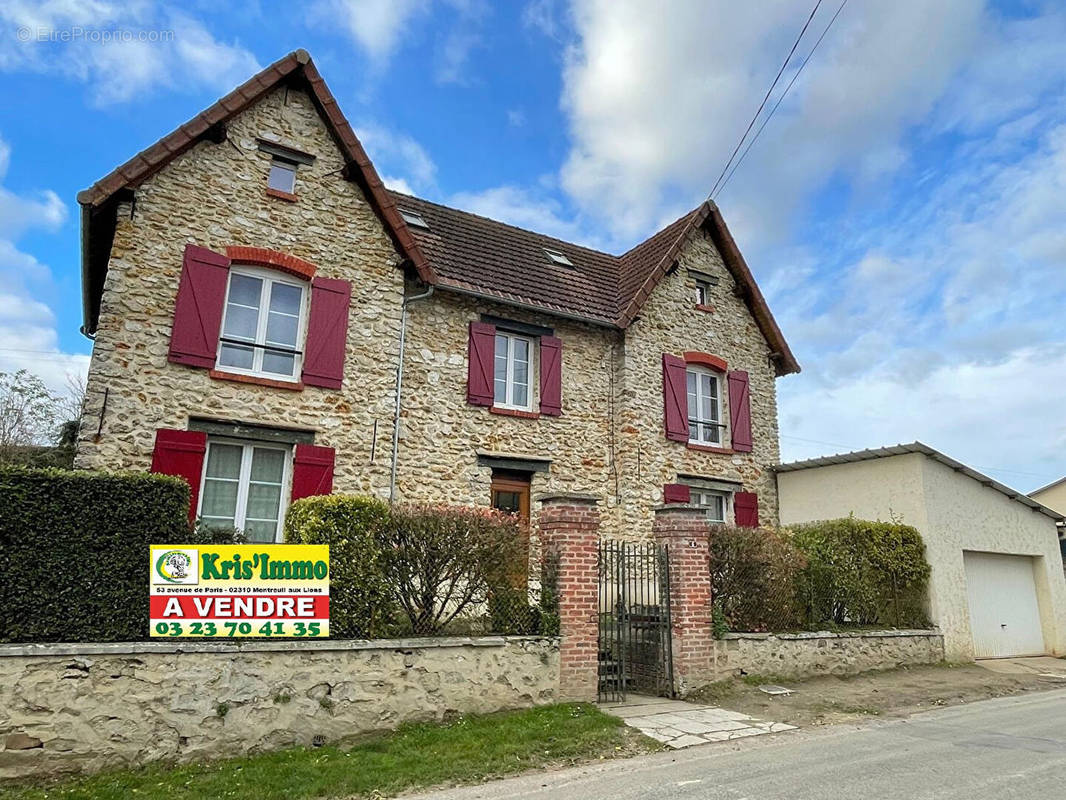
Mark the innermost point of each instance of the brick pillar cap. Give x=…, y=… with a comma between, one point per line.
x=687, y=509
x=565, y=498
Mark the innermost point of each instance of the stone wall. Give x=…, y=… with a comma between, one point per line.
x=214, y=196
x=800, y=655
x=670, y=323
x=82, y=708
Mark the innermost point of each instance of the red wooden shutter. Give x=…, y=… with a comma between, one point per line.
x=675, y=398
x=676, y=493
x=482, y=353
x=312, y=470
x=327, y=333
x=198, y=307
x=551, y=376
x=740, y=410
x=181, y=453
x=746, y=509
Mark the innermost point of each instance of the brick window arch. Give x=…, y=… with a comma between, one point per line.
x=272, y=259
x=705, y=360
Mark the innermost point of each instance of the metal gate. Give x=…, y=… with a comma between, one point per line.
x=635, y=653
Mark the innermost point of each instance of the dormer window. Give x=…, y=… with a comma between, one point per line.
x=282, y=176
x=558, y=258
x=413, y=218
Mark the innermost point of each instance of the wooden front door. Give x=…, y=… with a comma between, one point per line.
x=510, y=493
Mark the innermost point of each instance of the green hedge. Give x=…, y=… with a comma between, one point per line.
x=74, y=551
x=863, y=573
x=353, y=527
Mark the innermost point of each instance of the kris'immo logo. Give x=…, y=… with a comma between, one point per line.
x=175, y=566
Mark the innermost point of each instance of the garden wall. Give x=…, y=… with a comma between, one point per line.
x=68, y=708
x=799, y=655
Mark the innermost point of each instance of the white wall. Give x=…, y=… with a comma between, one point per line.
x=964, y=515
x=953, y=513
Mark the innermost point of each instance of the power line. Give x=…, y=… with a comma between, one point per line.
x=762, y=105
x=769, y=116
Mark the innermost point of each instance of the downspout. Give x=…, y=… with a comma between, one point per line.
x=399, y=387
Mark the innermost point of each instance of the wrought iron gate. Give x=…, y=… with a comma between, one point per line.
x=635, y=651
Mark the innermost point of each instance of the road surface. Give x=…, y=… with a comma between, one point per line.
x=1012, y=747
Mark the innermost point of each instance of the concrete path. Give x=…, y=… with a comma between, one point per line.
x=678, y=724
x=1011, y=748
x=1035, y=665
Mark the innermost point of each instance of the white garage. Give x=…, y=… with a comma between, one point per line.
x=997, y=588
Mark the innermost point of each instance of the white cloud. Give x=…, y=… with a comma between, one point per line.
x=400, y=156
x=28, y=336
x=119, y=49
x=376, y=26
x=462, y=38
x=516, y=117
x=1004, y=419
x=535, y=209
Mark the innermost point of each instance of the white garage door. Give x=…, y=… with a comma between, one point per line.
x=1004, y=614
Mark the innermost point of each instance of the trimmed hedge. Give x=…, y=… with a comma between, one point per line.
x=863, y=573
x=353, y=527
x=74, y=551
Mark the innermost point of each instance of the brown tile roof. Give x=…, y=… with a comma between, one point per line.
x=481, y=256
x=459, y=251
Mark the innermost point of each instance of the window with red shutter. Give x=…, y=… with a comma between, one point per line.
x=481, y=354
x=327, y=333
x=739, y=410
x=181, y=453
x=746, y=509
x=551, y=376
x=312, y=470
x=675, y=398
x=198, y=307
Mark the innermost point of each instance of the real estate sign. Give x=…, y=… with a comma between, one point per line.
x=239, y=590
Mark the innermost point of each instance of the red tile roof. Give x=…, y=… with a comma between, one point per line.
x=459, y=251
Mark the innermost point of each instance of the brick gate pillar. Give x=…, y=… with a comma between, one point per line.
x=684, y=529
x=570, y=531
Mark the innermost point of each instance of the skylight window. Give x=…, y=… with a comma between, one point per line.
x=558, y=258
x=413, y=218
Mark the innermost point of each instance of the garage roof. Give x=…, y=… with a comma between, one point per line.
x=930, y=452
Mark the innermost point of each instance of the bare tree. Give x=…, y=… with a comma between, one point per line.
x=29, y=414
x=70, y=407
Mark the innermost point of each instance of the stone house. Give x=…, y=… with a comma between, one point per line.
x=270, y=321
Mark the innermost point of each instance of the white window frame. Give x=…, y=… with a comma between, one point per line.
x=703, y=292
x=244, y=479
x=720, y=425
x=508, y=401
x=702, y=493
x=269, y=278
x=284, y=164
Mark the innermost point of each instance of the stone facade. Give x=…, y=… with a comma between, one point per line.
x=214, y=196
x=82, y=708
x=609, y=440
x=670, y=323
x=802, y=655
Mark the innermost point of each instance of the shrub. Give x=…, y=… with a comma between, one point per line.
x=754, y=573
x=361, y=604
x=442, y=562
x=74, y=551
x=863, y=573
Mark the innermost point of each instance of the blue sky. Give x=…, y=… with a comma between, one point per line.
x=903, y=210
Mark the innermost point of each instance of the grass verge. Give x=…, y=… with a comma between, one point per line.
x=468, y=750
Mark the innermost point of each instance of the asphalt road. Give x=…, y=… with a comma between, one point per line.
x=1011, y=747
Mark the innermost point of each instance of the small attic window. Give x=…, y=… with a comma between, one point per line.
x=413, y=218
x=282, y=176
x=558, y=258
